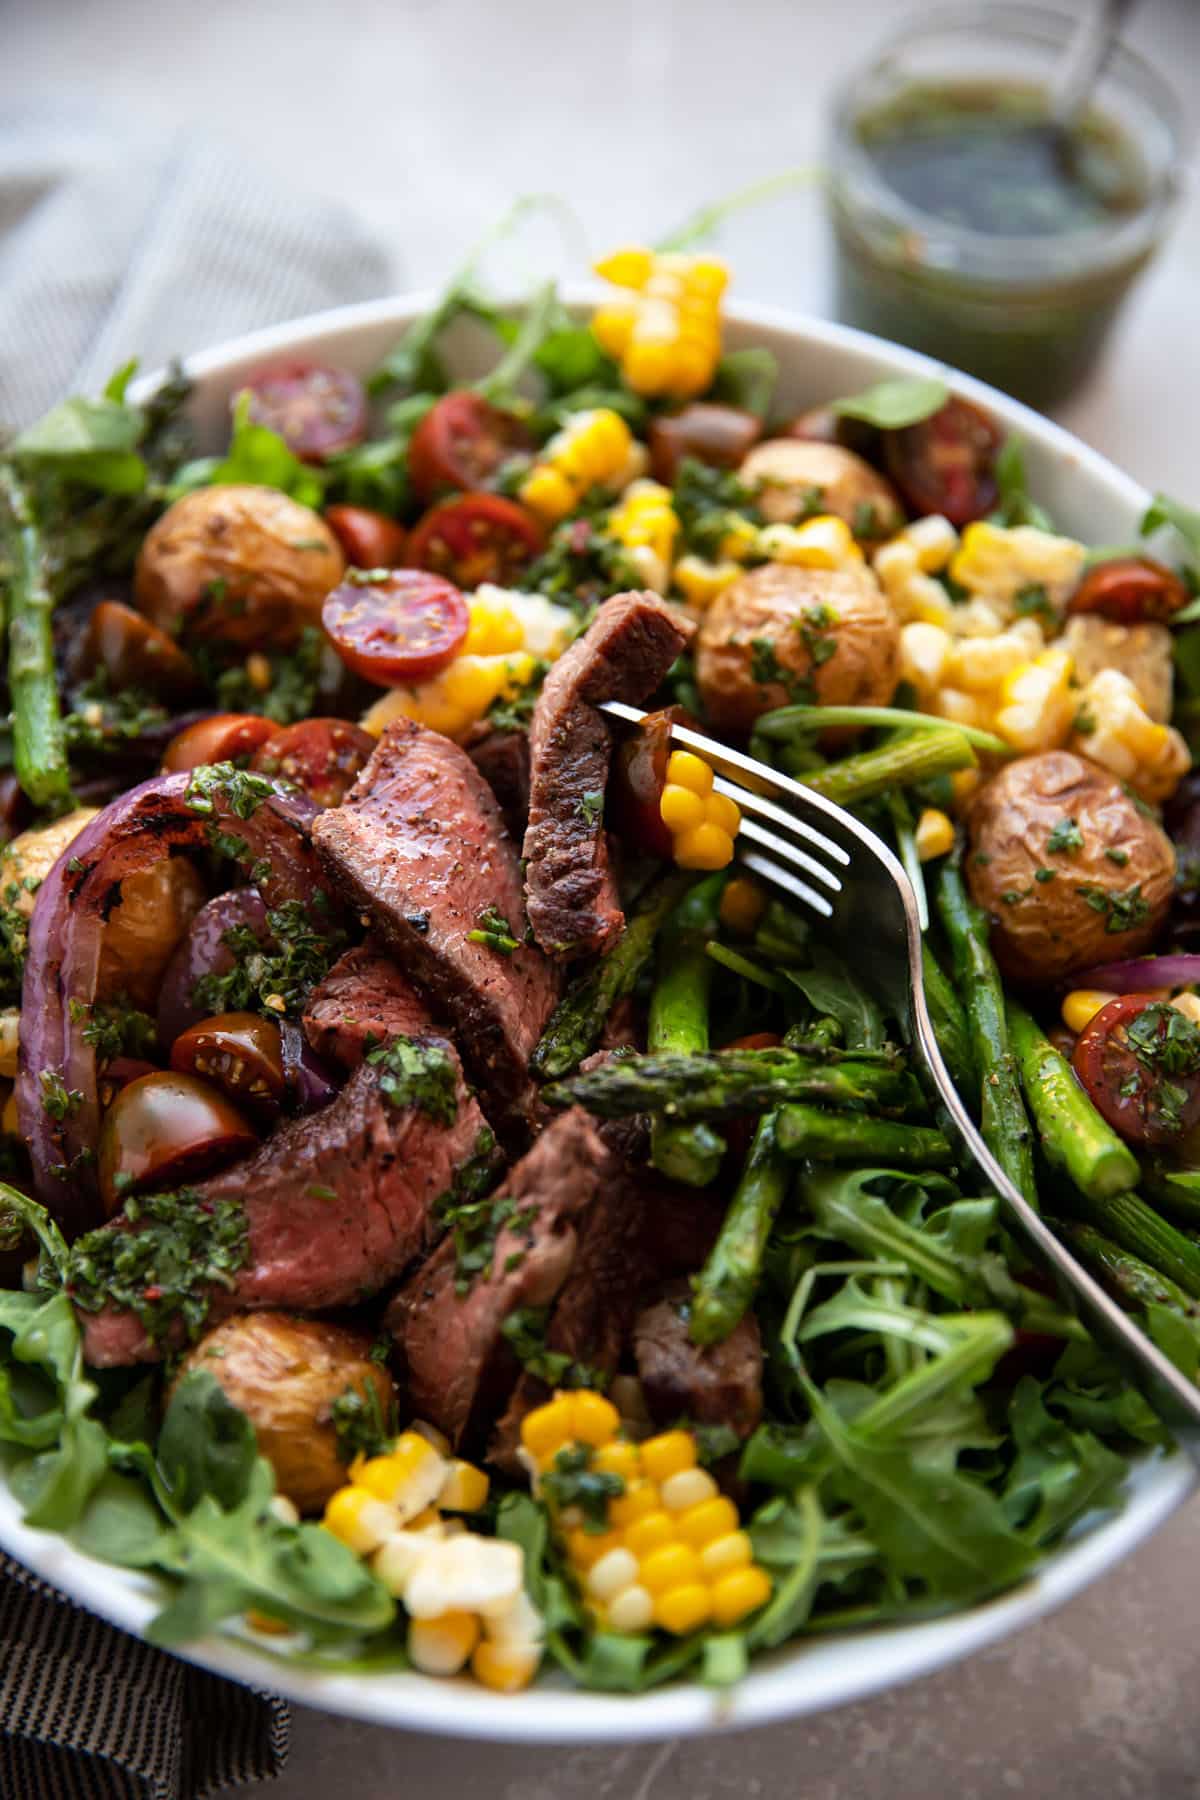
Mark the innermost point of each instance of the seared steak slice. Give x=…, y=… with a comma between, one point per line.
x=502, y=758
x=365, y=999
x=460, y=1369
x=337, y=1205
x=569, y=886
x=420, y=844
x=718, y=1385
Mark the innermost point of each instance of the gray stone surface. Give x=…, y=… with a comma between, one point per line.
x=428, y=116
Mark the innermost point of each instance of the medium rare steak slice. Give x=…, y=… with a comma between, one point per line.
x=364, y=1000
x=502, y=758
x=336, y=1206
x=569, y=886
x=460, y=1369
x=420, y=844
x=720, y=1384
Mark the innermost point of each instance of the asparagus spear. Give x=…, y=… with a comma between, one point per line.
x=39, y=748
x=949, y=1022
x=718, y=1084
x=894, y=765
x=1177, y=1191
x=1126, y=1277
x=1074, y=1136
x=847, y=1138
x=1137, y=1228
x=1002, y=1116
x=578, y=1019
x=679, y=1021
x=725, y=1286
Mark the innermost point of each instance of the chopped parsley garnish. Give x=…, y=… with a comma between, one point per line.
x=590, y=807
x=1065, y=836
x=242, y=792
x=866, y=522
x=1120, y=857
x=816, y=631
x=101, y=721
x=115, y=1028
x=525, y=1332
x=580, y=565
x=359, y=1423
x=1044, y=874
x=58, y=1100
x=709, y=503
x=14, y=940
x=767, y=670
x=164, y=1271
x=1032, y=602
x=572, y=1481
x=288, y=968
x=494, y=930
x=1122, y=912
x=514, y=713
x=1084, y=722
x=418, y=1072
x=291, y=691
x=474, y=1217
x=1165, y=1039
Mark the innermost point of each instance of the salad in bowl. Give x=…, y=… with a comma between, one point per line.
x=455, y=1219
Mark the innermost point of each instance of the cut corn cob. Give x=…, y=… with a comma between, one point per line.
x=1112, y=727
x=591, y=449
x=664, y=325
x=645, y=523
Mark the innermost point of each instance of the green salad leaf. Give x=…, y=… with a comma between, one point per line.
x=1014, y=504
x=892, y=404
x=256, y=455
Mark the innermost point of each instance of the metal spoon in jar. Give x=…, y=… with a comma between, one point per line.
x=1092, y=43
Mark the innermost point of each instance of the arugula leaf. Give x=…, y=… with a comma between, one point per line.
x=89, y=441
x=831, y=990
x=256, y=455
x=888, y=1225
x=207, y=1445
x=1163, y=511
x=899, y=401
x=746, y=378
x=570, y=358
x=1058, y=1475
x=1014, y=505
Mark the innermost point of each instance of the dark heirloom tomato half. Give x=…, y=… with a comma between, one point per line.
x=165, y=1129
x=225, y=737
x=316, y=409
x=369, y=539
x=1130, y=590
x=322, y=756
x=947, y=463
x=399, y=627
x=460, y=443
x=133, y=652
x=241, y=1053
x=477, y=538
x=1139, y=1060
x=639, y=774
x=717, y=435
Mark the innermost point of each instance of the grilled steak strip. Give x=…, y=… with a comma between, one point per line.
x=569, y=887
x=420, y=844
x=364, y=1000
x=718, y=1385
x=502, y=758
x=337, y=1204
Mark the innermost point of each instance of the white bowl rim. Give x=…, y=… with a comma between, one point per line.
x=809, y=1675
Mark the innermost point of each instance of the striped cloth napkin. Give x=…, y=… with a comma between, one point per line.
x=115, y=243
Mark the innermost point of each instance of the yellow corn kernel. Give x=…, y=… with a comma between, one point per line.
x=360, y=1519
x=612, y=327
x=493, y=629
x=442, y=1646
x=1081, y=1006
x=632, y=1609
x=648, y=366
x=737, y=1594
x=700, y=581
x=639, y=1500
x=547, y=493
x=981, y=663
x=742, y=905
x=675, y=1565
x=680, y=809
x=963, y=709
x=825, y=542
x=707, y=1521
x=585, y=1548
x=1189, y=1005
x=547, y=1428
x=664, y=1455
x=723, y=812
x=432, y=1435
x=684, y=1608
x=689, y=771
x=629, y=267
x=594, y=1420
x=925, y=652
x=465, y=1488
x=649, y=1533
x=740, y=539
x=998, y=561
x=687, y=1488
x=934, y=539
x=409, y=1477
x=963, y=784
x=704, y=847
x=724, y=1554
x=693, y=367
x=615, y=1570
x=619, y=1457
x=1037, y=703
x=505, y=1667
x=934, y=834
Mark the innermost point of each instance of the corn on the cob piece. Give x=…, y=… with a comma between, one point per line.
x=998, y=562
x=590, y=449
x=646, y=524
x=825, y=542
x=700, y=581
x=664, y=324
x=1112, y=727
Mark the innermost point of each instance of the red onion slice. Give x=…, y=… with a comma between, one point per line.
x=1138, y=974
x=310, y=1084
x=203, y=952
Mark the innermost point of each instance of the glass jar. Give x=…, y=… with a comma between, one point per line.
x=1027, y=311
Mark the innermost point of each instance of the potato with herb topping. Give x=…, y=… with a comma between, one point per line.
x=792, y=478
x=1072, y=871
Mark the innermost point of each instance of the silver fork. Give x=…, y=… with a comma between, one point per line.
x=835, y=867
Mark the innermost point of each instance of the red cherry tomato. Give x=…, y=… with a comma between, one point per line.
x=946, y=463
x=639, y=774
x=400, y=629
x=460, y=444
x=316, y=410
x=164, y=1129
x=480, y=537
x=240, y=1053
x=1130, y=590
x=225, y=737
x=135, y=653
x=1139, y=1060
x=369, y=540
x=322, y=756
x=718, y=435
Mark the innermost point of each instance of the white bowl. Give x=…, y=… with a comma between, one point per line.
x=1087, y=496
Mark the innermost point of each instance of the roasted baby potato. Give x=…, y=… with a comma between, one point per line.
x=143, y=931
x=26, y=862
x=793, y=477
x=1071, y=871
x=239, y=565
x=781, y=633
x=285, y=1373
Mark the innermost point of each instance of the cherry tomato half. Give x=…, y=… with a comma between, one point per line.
x=316, y=409
x=460, y=444
x=240, y=1053
x=223, y=738
x=639, y=774
x=400, y=628
x=717, y=435
x=946, y=463
x=135, y=653
x=480, y=537
x=164, y=1129
x=1139, y=1060
x=1130, y=590
x=322, y=756
x=369, y=539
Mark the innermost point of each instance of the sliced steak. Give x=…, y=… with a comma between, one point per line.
x=718, y=1385
x=337, y=1205
x=460, y=1369
x=502, y=758
x=365, y=999
x=420, y=844
x=569, y=886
